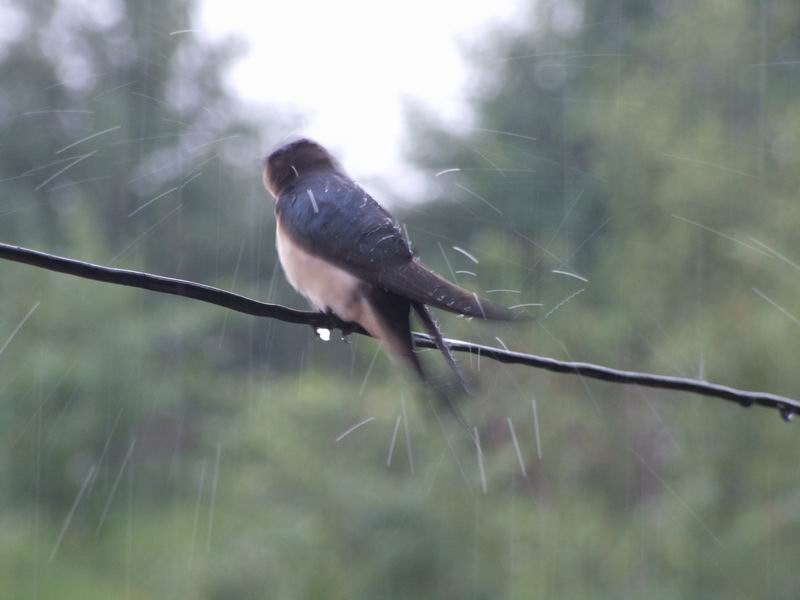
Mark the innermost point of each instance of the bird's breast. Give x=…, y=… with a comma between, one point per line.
x=325, y=285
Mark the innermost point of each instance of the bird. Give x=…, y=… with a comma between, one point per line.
x=347, y=255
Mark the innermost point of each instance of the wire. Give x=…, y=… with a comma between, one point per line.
x=788, y=407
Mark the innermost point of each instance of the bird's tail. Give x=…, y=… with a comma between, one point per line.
x=430, y=324
x=389, y=321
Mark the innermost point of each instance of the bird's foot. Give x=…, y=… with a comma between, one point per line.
x=332, y=321
x=347, y=329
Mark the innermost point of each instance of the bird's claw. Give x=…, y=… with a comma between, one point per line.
x=334, y=322
x=346, y=330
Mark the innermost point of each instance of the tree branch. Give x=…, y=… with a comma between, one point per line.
x=177, y=287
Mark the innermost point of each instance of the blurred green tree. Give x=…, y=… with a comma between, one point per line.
x=121, y=145
x=644, y=147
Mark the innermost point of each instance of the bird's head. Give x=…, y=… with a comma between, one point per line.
x=292, y=161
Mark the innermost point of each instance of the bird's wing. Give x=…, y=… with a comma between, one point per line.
x=418, y=283
x=333, y=218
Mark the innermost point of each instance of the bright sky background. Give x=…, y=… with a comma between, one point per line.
x=346, y=67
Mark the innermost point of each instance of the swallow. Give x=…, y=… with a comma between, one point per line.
x=347, y=255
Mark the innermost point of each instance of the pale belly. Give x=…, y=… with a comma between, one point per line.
x=326, y=286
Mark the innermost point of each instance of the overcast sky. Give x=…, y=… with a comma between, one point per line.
x=346, y=67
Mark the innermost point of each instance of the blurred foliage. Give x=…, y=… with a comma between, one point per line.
x=154, y=447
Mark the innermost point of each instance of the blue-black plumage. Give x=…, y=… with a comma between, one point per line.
x=346, y=253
